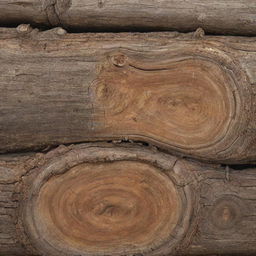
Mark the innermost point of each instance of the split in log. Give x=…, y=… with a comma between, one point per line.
x=184, y=93
x=104, y=199
x=116, y=15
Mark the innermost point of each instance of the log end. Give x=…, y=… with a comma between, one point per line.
x=124, y=207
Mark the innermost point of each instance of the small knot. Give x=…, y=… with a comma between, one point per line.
x=101, y=3
x=199, y=33
x=24, y=28
x=60, y=31
x=119, y=60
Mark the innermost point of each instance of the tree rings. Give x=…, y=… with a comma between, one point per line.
x=83, y=204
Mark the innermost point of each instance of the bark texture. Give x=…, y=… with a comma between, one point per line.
x=185, y=93
x=129, y=15
x=105, y=199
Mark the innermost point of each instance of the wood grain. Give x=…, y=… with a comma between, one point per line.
x=186, y=101
x=116, y=208
x=116, y=15
x=189, y=94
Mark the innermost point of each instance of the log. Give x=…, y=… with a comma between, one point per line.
x=189, y=94
x=116, y=15
x=105, y=199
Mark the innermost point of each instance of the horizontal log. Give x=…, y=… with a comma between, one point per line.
x=186, y=93
x=130, y=15
x=105, y=199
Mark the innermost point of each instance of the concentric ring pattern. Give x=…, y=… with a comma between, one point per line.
x=186, y=104
x=108, y=208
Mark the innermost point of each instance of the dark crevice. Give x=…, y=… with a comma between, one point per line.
x=128, y=141
x=123, y=141
x=124, y=29
x=132, y=29
x=239, y=166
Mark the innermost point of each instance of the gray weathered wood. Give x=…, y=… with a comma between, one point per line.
x=187, y=93
x=216, y=16
x=11, y=171
x=216, y=212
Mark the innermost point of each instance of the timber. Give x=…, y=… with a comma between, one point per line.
x=123, y=199
x=189, y=94
x=216, y=16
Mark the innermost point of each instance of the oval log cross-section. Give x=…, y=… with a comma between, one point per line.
x=116, y=207
x=123, y=207
x=185, y=104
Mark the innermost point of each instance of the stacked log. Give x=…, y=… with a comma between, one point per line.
x=215, y=16
x=106, y=199
x=190, y=94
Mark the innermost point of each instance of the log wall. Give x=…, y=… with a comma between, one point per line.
x=163, y=115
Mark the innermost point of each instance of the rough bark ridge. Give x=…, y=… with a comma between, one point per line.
x=130, y=15
x=187, y=93
x=63, y=203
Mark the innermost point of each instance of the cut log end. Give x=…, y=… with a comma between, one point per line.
x=120, y=207
x=187, y=102
x=113, y=208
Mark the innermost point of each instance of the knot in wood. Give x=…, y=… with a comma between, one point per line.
x=119, y=60
x=226, y=212
x=24, y=28
x=199, y=33
x=101, y=3
x=60, y=31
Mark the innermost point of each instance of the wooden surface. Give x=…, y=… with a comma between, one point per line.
x=105, y=199
x=108, y=208
x=216, y=16
x=189, y=94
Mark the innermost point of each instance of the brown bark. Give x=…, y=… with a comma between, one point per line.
x=216, y=16
x=105, y=199
x=185, y=93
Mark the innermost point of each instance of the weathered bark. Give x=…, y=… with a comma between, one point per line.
x=216, y=16
x=104, y=199
x=182, y=92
